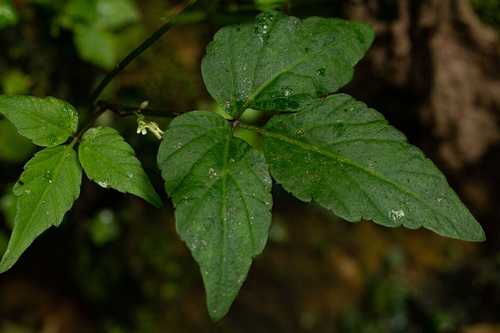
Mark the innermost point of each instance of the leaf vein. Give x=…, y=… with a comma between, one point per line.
x=290, y=66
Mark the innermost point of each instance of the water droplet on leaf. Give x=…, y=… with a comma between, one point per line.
x=338, y=129
x=396, y=214
x=52, y=139
x=47, y=176
x=102, y=183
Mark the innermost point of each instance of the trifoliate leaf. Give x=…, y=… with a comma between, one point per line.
x=346, y=157
x=109, y=161
x=282, y=63
x=220, y=188
x=46, y=190
x=47, y=122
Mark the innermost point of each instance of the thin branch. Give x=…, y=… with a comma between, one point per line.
x=124, y=111
x=94, y=95
x=248, y=127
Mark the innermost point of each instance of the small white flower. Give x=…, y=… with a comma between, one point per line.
x=143, y=127
x=155, y=129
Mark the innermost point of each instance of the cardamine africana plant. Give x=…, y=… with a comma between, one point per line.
x=319, y=146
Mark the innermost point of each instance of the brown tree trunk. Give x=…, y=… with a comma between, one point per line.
x=443, y=64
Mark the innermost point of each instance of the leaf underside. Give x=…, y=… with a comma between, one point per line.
x=282, y=63
x=46, y=190
x=47, y=122
x=109, y=161
x=346, y=157
x=220, y=188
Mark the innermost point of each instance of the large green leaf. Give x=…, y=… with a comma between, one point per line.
x=282, y=63
x=345, y=157
x=46, y=190
x=109, y=161
x=47, y=122
x=220, y=187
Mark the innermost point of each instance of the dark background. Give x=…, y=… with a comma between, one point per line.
x=116, y=263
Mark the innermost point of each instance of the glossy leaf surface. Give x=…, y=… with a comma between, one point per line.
x=282, y=63
x=346, y=157
x=46, y=190
x=47, y=122
x=109, y=161
x=220, y=188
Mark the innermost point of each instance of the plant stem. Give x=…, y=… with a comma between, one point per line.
x=97, y=114
x=250, y=127
x=124, y=111
x=134, y=54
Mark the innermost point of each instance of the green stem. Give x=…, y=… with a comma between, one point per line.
x=134, y=54
x=97, y=114
x=250, y=127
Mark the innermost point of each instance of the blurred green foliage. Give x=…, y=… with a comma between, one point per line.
x=96, y=24
x=8, y=14
x=488, y=11
x=15, y=82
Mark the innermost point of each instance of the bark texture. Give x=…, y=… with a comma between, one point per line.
x=443, y=62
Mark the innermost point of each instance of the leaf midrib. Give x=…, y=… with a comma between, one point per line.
x=56, y=173
x=286, y=69
x=364, y=169
x=117, y=167
x=34, y=115
x=225, y=171
x=43, y=196
x=197, y=160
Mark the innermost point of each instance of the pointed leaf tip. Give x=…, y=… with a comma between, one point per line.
x=46, y=190
x=48, y=122
x=346, y=157
x=110, y=161
x=220, y=188
x=282, y=63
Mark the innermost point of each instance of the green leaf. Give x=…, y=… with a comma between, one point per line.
x=220, y=188
x=75, y=12
x=345, y=157
x=282, y=63
x=95, y=45
x=116, y=13
x=47, y=122
x=46, y=190
x=109, y=161
x=8, y=14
